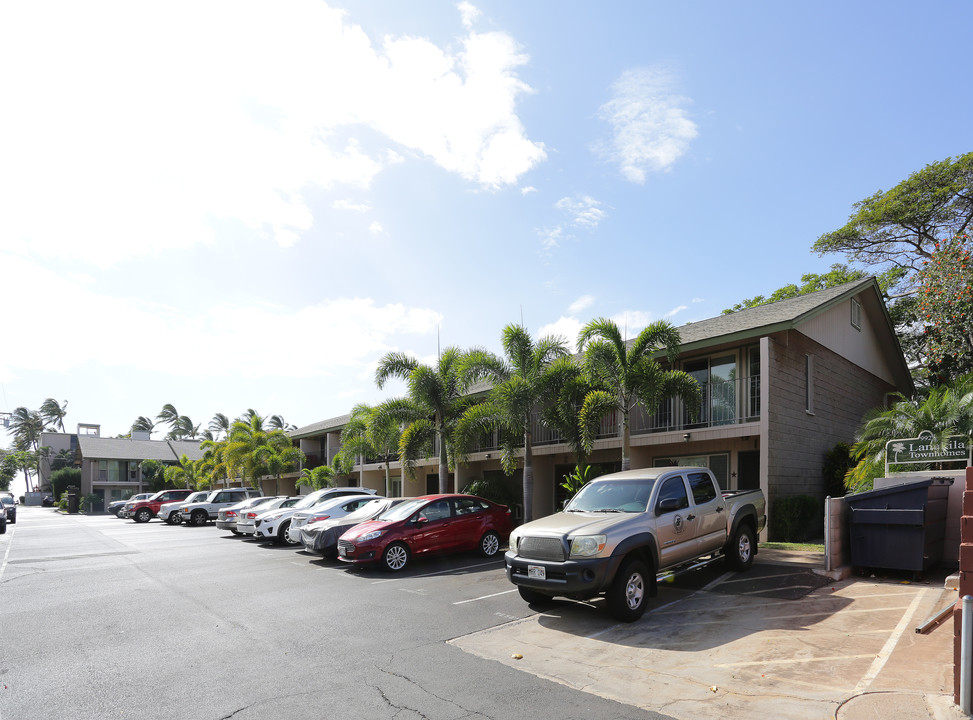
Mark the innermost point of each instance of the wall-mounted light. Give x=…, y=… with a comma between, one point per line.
x=685, y=437
x=487, y=456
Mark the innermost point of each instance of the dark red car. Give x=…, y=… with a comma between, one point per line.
x=428, y=524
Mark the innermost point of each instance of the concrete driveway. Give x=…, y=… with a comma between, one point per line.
x=779, y=641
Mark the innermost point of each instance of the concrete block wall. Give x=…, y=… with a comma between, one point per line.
x=965, y=577
x=838, y=542
x=798, y=440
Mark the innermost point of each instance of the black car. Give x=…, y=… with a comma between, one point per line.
x=10, y=508
x=48, y=501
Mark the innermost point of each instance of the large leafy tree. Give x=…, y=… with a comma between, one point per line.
x=897, y=232
x=436, y=398
x=943, y=411
x=522, y=385
x=630, y=374
x=373, y=432
x=945, y=304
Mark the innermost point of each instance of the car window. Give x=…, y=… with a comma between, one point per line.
x=702, y=486
x=436, y=510
x=466, y=506
x=674, y=487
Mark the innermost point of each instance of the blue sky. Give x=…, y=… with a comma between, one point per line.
x=232, y=205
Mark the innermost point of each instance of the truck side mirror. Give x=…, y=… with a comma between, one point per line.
x=667, y=505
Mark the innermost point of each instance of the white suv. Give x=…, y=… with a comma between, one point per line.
x=199, y=513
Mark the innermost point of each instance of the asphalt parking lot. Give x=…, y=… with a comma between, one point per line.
x=206, y=624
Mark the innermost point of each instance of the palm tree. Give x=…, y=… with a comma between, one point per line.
x=320, y=477
x=255, y=452
x=214, y=461
x=630, y=375
x=143, y=424
x=187, y=472
x=943, y=412
x=435, y=401
x=567, y=387
x=278, y=456
x=372, y=433
x=53, y=414
x=520, y=388
x=219, y=425
x=26, y=427
x=277, y=422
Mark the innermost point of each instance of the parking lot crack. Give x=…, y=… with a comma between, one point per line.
x=400, y=708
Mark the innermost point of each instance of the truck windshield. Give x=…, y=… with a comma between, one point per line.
x=612, y=496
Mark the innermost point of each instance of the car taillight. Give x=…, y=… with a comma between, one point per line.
x=251, y=516
x=318, y=517
x=231, y=513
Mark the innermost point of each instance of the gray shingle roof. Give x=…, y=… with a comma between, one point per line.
x=320, y=427
x=99, y=448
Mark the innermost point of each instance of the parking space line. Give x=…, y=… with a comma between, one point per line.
x=6, y=554
x=484, y=597
x=439, y=572
x=890, y=644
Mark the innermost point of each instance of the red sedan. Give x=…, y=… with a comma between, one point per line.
x=428, y=524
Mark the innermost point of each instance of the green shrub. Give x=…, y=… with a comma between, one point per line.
x=61, y=479
x=837, y=463
x=62, y=504
x=792, y=517
x=493, y=487
x=87, y=502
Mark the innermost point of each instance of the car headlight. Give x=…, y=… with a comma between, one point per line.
x=514, y=542
x=370, y=536
x=587, y=545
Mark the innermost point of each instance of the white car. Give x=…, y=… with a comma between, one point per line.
x=322, y=537
x=273, y=525
x=333, y=507
x=227, y=518
x=247, y=519
x=169, y=512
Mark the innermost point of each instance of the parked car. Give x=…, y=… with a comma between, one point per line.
x=48, y=501
x=426, y=525
x=273, y=525
x=199, y=513
x=116, y=506
x=3, y=523
x=322, y=536
x=226, y=518
x=247, y=519
x=141, y=511
x=10, y=509
x=333, y=507
x=169, y=512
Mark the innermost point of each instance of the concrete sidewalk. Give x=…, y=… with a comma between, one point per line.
x=846, y=649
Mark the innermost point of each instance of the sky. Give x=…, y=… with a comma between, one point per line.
x=246, y=204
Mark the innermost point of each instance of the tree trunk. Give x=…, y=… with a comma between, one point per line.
x=626, y=442
x=528, y=478
x=388, y=481
x=443, y=465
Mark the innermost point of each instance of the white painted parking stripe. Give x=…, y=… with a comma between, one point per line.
x=439, y=572
x=6, y=554
x=484, y=597
x=890, y=644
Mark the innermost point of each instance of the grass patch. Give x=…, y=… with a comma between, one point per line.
x=812, y=547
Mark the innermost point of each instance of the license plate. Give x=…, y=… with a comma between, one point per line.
x=536, y=572
x=342, y=551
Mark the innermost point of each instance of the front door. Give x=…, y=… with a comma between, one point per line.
x=748, y=470
x=675, y=531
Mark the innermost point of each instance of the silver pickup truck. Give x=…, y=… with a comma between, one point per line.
x=623, y=529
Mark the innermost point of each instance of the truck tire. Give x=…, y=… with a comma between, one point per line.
x=629, y=592
x=173, y=519
x=741, y=549
x=199, y=517
x=533, y=597
x=142, y=515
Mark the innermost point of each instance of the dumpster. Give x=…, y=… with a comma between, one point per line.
x=901, y=527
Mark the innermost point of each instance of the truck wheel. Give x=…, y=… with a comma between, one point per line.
x=143, y=515
x=533, y=597
x=198, y=517
x=173, y=519
x=739, y=553
x=629, y=591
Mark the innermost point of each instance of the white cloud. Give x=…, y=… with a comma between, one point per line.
x=550, y=237
x=348, y=331
x=375, y=228
x=348, y=205
x=527, y=190
x=583, y=211
x=631, y=322
x=468, y=14
x=698, y=300
x=137, y=129
x=580, y=304
x=566, y=327
x=676, y=310
x=651, y=128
